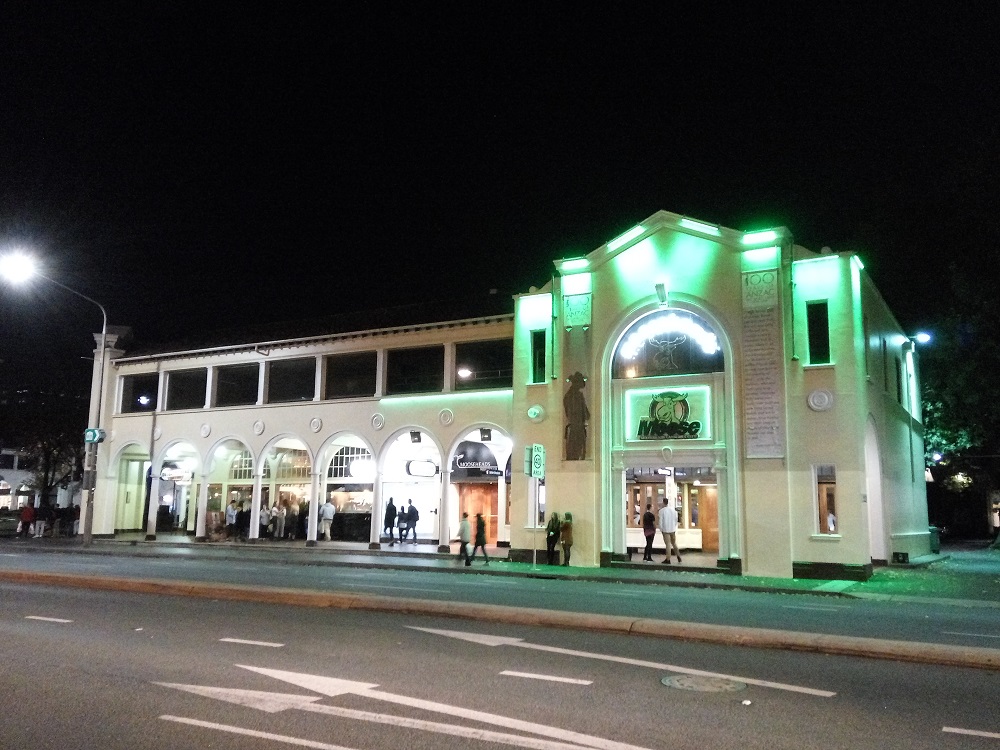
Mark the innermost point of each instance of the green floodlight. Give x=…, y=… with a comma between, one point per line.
x=759, y=238
x=700, y=226
x=623, y=239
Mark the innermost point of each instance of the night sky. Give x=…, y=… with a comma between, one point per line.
x=207, y=166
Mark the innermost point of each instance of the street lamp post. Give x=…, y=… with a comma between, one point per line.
x=18, y=268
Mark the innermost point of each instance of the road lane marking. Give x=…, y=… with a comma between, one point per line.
x=254, y=733
x=549, y=677
x=817, y=607
x=971, y=635
x=492, y=640
x=395, y=588
x=252, y=643
x=45, y=619
x=276, y=702
x=971, y=732
x=333, y=686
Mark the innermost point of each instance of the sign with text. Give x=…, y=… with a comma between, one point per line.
x=669, y=413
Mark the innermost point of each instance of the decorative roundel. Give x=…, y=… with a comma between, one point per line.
x=667, y=453
x=378, y=421
x=820, y=400
x=206, y=430
x=157, y=433
x=258, y=427
x=536, y=412
x=446, y=417
x=315, y=424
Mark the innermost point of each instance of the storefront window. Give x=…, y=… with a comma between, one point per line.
x=236, y=385
x=484, y=364
x=826, y=499
x=139, y=392
x=669, y=342
x=415, y=370
x=186, y=389
x=351, y=375
x=291, y=380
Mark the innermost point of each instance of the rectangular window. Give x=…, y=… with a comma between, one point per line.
x=866, y=332
x=7, y=461
x=139, y=392
x=291, y=380
x=186, y=389
x=351, y=375
x=415, y=370
x=885, y=365
x=484, y=364
x=899, y=381
x=818, y=322
x=826, y=497
x=236, y=385
x=538, y=357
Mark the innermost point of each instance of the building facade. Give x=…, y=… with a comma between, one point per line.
x=763, y=391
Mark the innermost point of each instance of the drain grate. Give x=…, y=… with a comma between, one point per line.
x=703, y=684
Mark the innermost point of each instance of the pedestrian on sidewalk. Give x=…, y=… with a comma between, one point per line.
x=668, y=527
x=389, y=522
x=649, y=531
x=552, y=529
x=326, y=514
x=231, y=513
x=464, y=539
x=566, y=537
x=278, y=516
x=412, y=516
x=480, y=539
x=27, y=519
x=292, y=521
x=263, y=520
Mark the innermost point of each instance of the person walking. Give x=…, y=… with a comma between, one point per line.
x=326, y=514
x=480, y=539
x=292, y=520
x=412, y=516
x=566, y=537
x=389, y=522
x=231, y=511
x=668, y=527
x=649, y=531
x=278, y=516
x=552, y=529
x=464, y=539
x=264, y=520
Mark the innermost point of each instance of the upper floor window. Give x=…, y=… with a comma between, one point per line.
x=236, y=385
x=139, y=392
x=538, y=357
x=818, y=324
x=415, y=370
x=186, y=389
x=351, y=375
x=291, y=380
x=484, y=364
x=668, y=342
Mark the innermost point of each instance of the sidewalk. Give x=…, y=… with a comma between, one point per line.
x=964, y=574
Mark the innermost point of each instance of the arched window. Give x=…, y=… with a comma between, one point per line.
x=667, y=342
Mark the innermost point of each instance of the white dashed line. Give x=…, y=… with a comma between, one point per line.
x=971, y=732
x=971, y=635
x=45, y=619
x=550, y=678
x=252, y=643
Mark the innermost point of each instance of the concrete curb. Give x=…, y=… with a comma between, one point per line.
x=872, y=648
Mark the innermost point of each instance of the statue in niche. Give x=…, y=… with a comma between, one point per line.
x=577, y=416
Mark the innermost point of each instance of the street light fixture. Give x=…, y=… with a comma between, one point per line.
x=17, y=268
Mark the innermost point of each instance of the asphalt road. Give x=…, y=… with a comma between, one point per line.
x=109, y=670
x=923, y=622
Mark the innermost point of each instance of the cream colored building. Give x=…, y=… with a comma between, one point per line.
x=764, y=391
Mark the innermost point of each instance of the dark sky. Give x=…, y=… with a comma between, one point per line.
x=212, y=165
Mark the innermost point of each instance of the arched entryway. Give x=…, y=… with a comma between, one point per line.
x=349, y=483
x=479, y=481
x=411, y=475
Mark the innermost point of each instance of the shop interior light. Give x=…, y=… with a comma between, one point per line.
x=623, y=239
x=363, y=469
x=421, y=468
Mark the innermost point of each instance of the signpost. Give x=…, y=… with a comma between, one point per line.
x=534, y=467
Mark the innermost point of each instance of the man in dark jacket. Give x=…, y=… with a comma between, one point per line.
x=389, y=522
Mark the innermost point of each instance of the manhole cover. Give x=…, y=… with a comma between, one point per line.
x=703, y=684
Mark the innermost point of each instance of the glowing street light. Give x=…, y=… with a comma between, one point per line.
x=18, y=268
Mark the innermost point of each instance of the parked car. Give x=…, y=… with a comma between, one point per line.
x=9, y=520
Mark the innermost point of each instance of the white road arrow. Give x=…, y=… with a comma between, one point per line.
x=492, y=640
x=274, y=702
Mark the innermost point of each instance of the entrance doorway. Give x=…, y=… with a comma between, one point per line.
x=482, y=498
x=695, y=497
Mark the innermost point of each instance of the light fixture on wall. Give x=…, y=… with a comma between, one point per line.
x=414, y=436
x=661, y=293
x=485, y=434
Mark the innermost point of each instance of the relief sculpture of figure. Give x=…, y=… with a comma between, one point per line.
x=577, y=416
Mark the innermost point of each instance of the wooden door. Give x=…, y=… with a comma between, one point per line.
x=480, y=498
x=708, y=518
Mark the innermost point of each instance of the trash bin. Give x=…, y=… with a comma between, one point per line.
x=935, y=539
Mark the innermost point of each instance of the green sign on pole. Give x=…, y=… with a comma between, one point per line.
x=94, y=435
